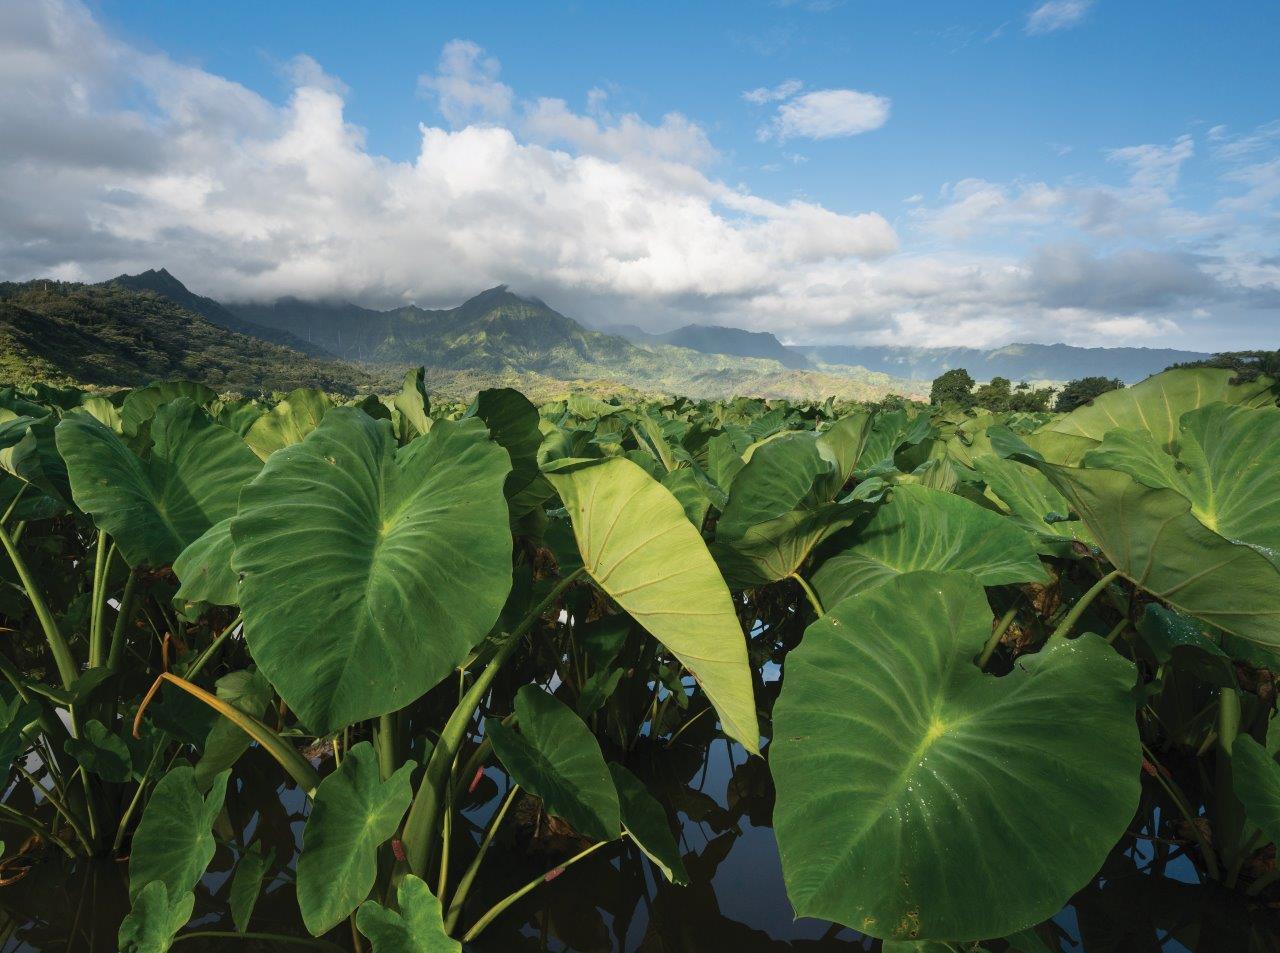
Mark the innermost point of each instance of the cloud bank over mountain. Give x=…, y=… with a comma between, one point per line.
x=117, y=159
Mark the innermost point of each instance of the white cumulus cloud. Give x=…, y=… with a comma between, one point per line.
x=1056, y=15
x=827, y=114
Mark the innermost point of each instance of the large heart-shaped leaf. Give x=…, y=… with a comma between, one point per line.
x=768, y=552
x=141, y=405
x=1256, y=781
x=155, y=508
x=646, y=822
x=919, y=529
x=355, y=812
x=369, y=574
x=1225, y=461
x=1033, y=503
x=154, y=920
x=779, y=475
x=417, y=928
x=513, y=423
x=556, y=758
x=204, y=568
x=174, y=841
x=1158, y=403
x=640, y=548
x=1151, y=536
x=896, y=757
x=102, y=752
x=249, y=692
x=288, y=422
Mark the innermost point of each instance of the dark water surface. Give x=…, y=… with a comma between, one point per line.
x=1147, y=898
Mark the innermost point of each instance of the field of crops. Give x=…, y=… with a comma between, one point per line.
x=963, y=658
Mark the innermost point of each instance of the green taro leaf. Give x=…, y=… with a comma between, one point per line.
x=1151, y=536
x=246, y=884
x=686, y=487
x=154, y=920
x=248, y=691
x=843, y=444
x=1030, y=498
x=513, y=423
x=288, y=422
x=414, y=405
x=779, y=475
x=101, y=751
x=368, y=574
x=640, y=548
x=1226, y=461
x=155, y=508
x=417, y=928
x=646, y=822
x=555, y=757
x=895, y=758
x=355, y=812
x=141, y=405
x=1256, y=779
x=204, y=568
x=919, y=529
x=1158, y=403
x=774, y=550
x=174, y=841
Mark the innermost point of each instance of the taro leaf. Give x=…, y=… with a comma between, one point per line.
x=779, y=475
x=644, y=819
x=155, y=508
x=105, y=412
x=774, y=550
x=417, y=928
x=555, y=757
x=355, y=812
x=414, y=405
x=597, y=690
x=603, y=639
x=890, y=432
x=1027, y=941
x=894, y=753
x=141, y=405
x=640, y=548
x=1158, y=403
x=1030, y=497
x=31, y=454
x=513, y=424
x=1226, y=461
x=204, y=569
x=368, y=574
x=724, y=462
x=930, y=946
x=225, y=743
x=154, y=920
x=246, y=884
x=15, y=715
x=843, y=444
x=1256, y=781
x=919, y=529
x=101, y=751
x=1154, y=540
x=1171, y=636
x=288, y=422
x=174, y=841
x=686, y=487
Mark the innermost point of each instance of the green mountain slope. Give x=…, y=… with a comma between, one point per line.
x=111, y=335
x=167, y=286
x=716, y=339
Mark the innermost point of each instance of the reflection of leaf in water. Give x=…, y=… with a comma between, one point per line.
x=750, y=792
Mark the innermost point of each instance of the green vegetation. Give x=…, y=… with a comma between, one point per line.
x=1080, y=392
x=1012, y=636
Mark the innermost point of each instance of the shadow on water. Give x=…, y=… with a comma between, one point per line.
x=1148, y=897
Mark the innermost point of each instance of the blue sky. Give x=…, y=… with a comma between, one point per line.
x=924, y=173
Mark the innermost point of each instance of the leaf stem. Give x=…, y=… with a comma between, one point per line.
x=62, y=657
x=1071, y=618
x=464, y=885
x=419, y=826
x=996, y=635
x=106, y=551
x=810, y=595
x=497, y=909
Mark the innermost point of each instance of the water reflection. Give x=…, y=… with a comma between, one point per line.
x=1147, y=898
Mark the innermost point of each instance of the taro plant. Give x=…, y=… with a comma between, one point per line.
x=975, y=653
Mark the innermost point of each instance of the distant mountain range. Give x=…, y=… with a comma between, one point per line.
x=135, y=328
x=1052, y=362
